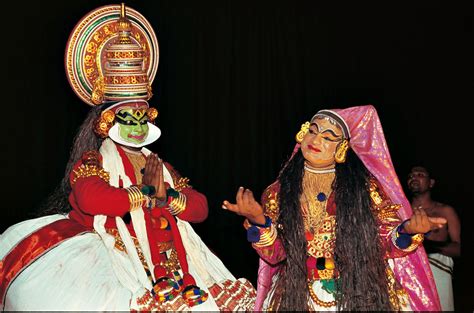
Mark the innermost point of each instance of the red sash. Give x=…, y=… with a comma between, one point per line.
x=32, y=247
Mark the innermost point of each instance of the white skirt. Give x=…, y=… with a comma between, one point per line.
x=78, y=275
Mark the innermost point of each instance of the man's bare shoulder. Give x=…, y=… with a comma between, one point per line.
x=443, y=209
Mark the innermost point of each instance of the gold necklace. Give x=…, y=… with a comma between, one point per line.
x=316, y=190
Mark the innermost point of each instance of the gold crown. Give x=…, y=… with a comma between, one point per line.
x=112, y=56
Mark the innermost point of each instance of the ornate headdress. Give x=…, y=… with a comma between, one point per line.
x=111, y=59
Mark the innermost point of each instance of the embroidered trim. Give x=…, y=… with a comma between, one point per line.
x=85, y=171
x=318, y=301
x=181, y=183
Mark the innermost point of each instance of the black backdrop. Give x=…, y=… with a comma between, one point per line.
x=235, y=81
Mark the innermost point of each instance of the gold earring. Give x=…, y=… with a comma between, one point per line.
x=152, y=114
x=341, y=151
x=302, y=132
x=104, y=123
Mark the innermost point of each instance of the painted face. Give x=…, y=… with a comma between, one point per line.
x=320, y=143
x=419, y=180
x=133, y=125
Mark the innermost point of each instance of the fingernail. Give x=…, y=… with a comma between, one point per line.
x=241, y=187
x=224, y=207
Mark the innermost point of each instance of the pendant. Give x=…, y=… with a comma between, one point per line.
x=321, y=197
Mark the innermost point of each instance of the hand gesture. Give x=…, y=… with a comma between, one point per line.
x=421, y=223
x=246, y=206
x=154, y=175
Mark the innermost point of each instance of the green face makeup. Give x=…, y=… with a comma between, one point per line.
x=133, y=126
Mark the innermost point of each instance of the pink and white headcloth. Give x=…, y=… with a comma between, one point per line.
x=367, y=140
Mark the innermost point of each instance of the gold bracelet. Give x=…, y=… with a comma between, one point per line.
x=136, y=198
x=416, y=240
x=178, y=205
x=267, y=236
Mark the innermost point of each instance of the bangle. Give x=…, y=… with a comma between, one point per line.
x=404, y=241
x=136, y=198
x=402, y=227
x=178, y=204
x=267, y=236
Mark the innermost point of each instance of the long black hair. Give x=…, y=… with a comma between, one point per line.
x=362, y=283
x=85, y=140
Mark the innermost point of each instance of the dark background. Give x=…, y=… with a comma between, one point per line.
x=236, y=79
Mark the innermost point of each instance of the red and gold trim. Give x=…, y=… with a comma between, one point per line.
x=84, y=171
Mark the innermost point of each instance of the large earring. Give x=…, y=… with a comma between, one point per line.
x=152, y=114
x=302, y=132
x=104, y=123
x=341, y=151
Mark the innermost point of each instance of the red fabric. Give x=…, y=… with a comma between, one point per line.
x=178, y=243
x=34, y=246
x=92, y=195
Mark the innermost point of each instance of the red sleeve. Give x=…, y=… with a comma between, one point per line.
x=92, y=195
x=196, y=206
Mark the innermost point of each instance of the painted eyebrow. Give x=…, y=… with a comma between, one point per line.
x=332, y=133
x=127, y=114
x=326, y=130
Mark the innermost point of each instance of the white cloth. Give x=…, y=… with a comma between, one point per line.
x=75, y=275
x=442, y=268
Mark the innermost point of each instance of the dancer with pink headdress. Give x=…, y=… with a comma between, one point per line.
x=335, y=231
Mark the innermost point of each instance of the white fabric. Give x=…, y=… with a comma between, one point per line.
x=443, y=279
x=86, y=272
x=78, y=273
x=112, y=163
x=153, y=134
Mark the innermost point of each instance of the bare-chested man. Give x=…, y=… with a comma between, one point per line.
x=441, y=244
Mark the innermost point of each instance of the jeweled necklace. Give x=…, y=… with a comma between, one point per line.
x=316, y=190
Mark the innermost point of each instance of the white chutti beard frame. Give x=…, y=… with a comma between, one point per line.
x=153, y=134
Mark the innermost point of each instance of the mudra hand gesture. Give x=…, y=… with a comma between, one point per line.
x=153, y=175
x=246, y=206
x=421, y=223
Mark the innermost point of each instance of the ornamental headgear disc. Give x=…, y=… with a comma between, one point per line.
x=112, y=55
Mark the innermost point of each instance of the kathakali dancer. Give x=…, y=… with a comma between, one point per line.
x=120, y=238
x=335, y=231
